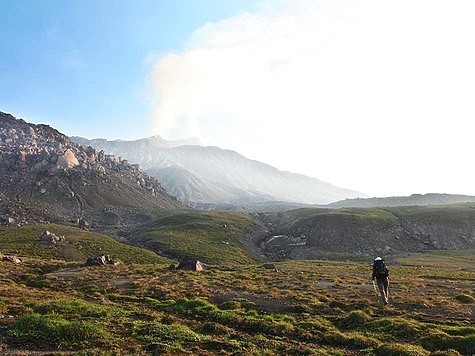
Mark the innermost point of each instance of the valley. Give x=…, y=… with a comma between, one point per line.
x=275, y=277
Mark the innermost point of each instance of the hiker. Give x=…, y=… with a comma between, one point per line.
x=381, y=273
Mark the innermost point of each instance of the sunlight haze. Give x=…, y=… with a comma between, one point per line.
x=371, y=95
x=374, y=96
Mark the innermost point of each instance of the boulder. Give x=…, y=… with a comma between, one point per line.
x=100, y=260
x=10, y=258
x=83, y=224
x=6, y=220
x=50, y=238
x=192, y=265
x=269, y=266
x=67, y=160
x=172, y=267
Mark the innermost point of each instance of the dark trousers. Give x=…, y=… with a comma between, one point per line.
x=383, y=284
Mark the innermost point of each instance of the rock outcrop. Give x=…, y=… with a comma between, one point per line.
x=45, y=176
x=50, y=238
x=10, y=258
x=192, y=265
x=67, y=160
x=100, y=260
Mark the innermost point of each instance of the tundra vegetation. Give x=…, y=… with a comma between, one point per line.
x=51, y=303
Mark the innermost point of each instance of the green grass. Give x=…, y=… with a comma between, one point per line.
x=377, y=217
x=155, y=332
x=78, y=308
x=465, y=298
x=78, y=245
x=211, y=237
x=53, y=330
x=303, y=308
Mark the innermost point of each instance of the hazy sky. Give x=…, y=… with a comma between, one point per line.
x=376, y=96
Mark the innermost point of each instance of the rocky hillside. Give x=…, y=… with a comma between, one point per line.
x=317, y=233
x=210, y=176
x=44, y=175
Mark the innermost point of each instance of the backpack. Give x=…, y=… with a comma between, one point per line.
x=379, y=269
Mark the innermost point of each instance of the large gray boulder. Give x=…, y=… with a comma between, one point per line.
x=100, y=260
x=192, y=265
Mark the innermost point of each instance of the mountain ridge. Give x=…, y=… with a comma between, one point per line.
x=241, y=179
x=44, y=175
x=413, y=199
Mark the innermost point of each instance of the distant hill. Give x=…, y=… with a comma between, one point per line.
x=44, y=176
x=414, y=199
x=201, y=176
x=321, y=233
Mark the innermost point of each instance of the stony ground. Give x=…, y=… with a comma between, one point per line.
x=318, y=307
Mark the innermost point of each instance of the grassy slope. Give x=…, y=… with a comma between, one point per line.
x=385, y=216
x=304, y=308
x=213, y=237
x=78, y=245
x=321, y=308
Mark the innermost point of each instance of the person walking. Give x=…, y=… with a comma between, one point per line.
x=381, y=275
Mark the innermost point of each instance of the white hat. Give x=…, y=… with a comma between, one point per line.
x=378, y=259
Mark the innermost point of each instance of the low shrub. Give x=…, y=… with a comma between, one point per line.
x=395, y=349
x=354, y=319
x=445, y=353
x=215, y=329
x=458, y=330
x=53, y=330
x=230, y=305
x=77, y=307
x=317, y=325
x=157, y=332
x=440, y=341
x=352, y=341
x=398, y=327
x=465, y=298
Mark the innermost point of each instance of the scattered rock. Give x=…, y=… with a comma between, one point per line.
x=158, y=348
x=269, y=266
x=10, y=258
x=50, y=238
x=41, y=157
x=83, y=224
x=193, y=265
x=101, y=260
x=7, y=220
x=110, y=218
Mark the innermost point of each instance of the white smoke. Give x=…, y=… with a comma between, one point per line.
x=371, y=95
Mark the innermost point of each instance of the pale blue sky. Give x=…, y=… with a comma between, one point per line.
x=81, y=65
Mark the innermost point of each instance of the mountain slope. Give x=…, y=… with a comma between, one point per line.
x=220, y=176
x=414, y=199
x=317, y=233
x=44, y=175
